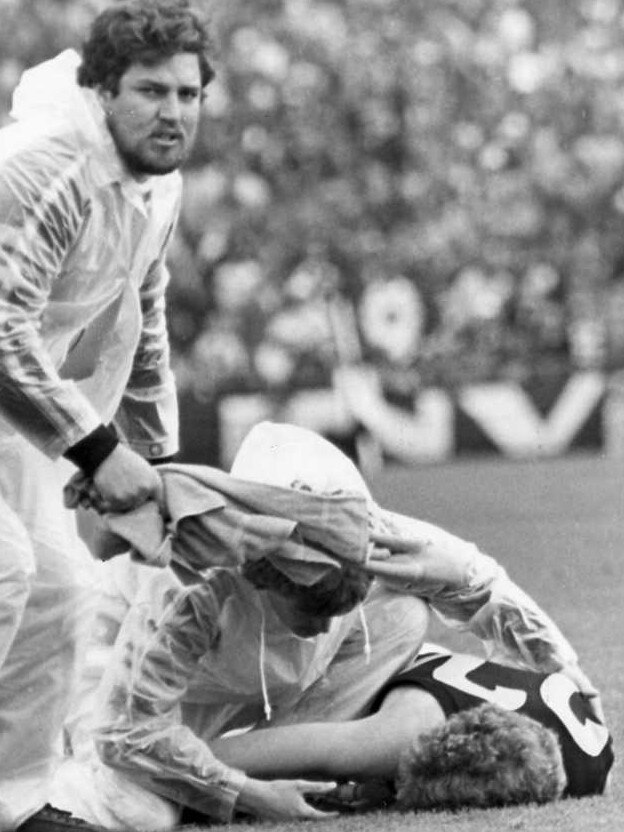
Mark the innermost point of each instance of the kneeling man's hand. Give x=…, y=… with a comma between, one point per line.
x=282, y=799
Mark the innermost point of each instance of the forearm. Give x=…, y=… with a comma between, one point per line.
x=148, y=419
x=40, y=219
x=470, y=591
x=148, y=413
x=353, y=750
x=51, y=413
x=139, y=727
x=511, y=625
x=174, y=763
x=514, y=627
x=288, y=751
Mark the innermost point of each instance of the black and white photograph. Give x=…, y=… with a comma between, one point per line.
x=311, y=415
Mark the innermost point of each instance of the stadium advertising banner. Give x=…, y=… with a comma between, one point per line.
x=513, y=420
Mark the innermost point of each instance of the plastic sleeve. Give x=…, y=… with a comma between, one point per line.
x=139, y=726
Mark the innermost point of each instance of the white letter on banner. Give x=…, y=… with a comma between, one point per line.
x=508, y=416
x=423, y=435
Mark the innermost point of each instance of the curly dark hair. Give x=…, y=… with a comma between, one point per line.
x=336, y=593
x=142, y=31
x=481, y=757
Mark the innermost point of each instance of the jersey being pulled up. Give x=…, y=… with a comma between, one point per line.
x=460, y=681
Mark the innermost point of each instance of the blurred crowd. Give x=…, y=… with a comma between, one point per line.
x=453, y=172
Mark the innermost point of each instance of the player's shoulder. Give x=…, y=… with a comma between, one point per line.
x=422, y=667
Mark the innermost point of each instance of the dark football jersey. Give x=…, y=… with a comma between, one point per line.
x=459, y=681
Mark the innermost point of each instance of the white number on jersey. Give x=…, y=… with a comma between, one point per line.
x=556, y=692
x=454, y=672
x=590, y=736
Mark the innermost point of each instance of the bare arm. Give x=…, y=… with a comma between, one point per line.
x=354, y=750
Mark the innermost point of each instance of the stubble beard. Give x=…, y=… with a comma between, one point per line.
x=140, y=162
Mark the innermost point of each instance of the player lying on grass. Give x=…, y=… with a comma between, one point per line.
x=158, y=709
x=191, y=661
x=452, y=731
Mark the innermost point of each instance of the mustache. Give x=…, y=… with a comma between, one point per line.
x=167, y=132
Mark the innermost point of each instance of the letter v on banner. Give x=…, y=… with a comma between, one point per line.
x=510, y=419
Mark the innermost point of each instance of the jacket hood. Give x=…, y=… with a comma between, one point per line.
x=48, y=93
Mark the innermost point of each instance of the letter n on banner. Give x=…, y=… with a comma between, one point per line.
x=524, y=422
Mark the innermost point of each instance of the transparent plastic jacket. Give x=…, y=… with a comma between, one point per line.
x=82, y=275
x=190, y=663
x=470, y=591
x=198, y=651
x=210, y=518
x=466, y=588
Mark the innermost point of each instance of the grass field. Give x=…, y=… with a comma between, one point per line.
x=558, y=527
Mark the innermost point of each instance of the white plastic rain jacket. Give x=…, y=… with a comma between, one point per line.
x=199, y=654
x=82, y=340
x=82, y=275
x=468, y=589
x=190, y=663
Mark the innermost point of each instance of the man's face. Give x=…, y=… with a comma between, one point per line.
x=300, y=622
x=153, y=117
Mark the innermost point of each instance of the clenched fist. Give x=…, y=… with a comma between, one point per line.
x=124, y=481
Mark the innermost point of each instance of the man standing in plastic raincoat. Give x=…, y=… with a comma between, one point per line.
x=89, y=195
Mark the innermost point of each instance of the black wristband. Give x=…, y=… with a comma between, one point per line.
x=91, y=451
x=161, y=460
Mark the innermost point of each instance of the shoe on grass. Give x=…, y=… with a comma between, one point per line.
x=50, y=819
